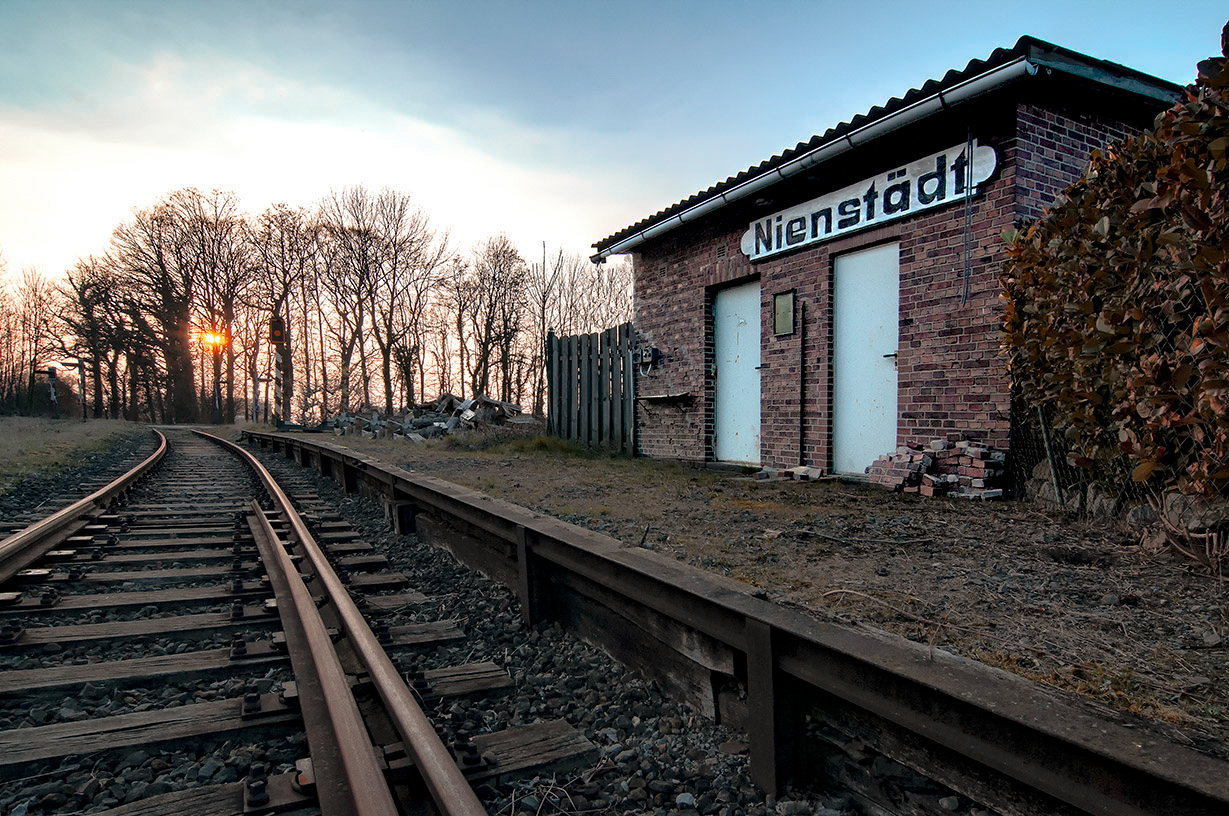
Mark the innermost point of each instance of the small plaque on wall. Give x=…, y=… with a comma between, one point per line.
x=783, y=313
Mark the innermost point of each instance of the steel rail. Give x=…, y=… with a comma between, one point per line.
x=348, y=778
x=24, y=547
x=448, y=787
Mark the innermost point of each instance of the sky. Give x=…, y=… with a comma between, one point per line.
x=561, y=122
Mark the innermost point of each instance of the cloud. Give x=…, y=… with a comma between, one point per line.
x=171, y=123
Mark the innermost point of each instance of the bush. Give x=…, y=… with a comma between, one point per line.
x=1118, y=301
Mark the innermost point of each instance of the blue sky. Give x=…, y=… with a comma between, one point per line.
x=554, y=121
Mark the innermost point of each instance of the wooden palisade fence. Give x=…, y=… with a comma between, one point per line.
x=590, y=378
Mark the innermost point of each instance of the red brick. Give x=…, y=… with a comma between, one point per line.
x=953, y=380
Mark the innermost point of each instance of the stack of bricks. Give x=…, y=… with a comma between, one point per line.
x=966, y=470
x=902, y=470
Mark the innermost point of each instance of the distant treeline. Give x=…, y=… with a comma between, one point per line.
x=377, y=309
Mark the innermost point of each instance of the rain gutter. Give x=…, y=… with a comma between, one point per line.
x=962, y=92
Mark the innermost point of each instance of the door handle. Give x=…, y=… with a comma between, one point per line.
x=892, y=355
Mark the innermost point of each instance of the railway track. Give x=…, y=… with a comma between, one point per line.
x=153, y=670
x=885, y=725
x=187, y=640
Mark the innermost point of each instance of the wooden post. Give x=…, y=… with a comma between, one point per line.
x=565, y=383
x=586, y=388
x=404, y=517
x=349, y=478
x=561, y=384
x=603, y=388
x=629, y=390
x=573, y=388
x=533, y=581
x=769, y=733
x=551, y=385
x=616, y=390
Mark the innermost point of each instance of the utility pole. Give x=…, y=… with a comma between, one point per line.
x=277, y=336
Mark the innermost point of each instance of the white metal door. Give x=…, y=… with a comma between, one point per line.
x=736, y=341
x=866, y=307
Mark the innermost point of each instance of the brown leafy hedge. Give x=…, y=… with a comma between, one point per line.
x=1118, y=301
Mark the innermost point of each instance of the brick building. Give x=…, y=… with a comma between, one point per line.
x=841, y=299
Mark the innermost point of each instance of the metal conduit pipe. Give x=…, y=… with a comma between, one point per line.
x=976, y=86
x=448, y=786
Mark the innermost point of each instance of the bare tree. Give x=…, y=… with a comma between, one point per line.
x=348, y=268
x=542, y=292
x=213, y=236
x=456, y=292
x=150, y=251
x=438, y=337
x=406, y=269
x=91, y=323
x=494, y=312
x=286, y=244
x=34, y=303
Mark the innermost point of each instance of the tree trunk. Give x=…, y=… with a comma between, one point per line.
x=324, y=373
x=288, y=375
x=181, y=373
x=386, y=368
x=96, y=370
x=362, y=368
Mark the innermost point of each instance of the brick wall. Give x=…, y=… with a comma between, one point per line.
x=674, y=282
x=953, y=382
x=1054, y=146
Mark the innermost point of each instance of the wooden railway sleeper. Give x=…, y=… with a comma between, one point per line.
x=11, y=632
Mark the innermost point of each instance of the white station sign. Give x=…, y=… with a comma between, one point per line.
x=934, y=181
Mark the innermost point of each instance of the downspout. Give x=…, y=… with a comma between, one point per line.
x=978, y=85
x=802, y=382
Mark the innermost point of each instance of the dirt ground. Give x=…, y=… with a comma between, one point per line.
x=1084, y=607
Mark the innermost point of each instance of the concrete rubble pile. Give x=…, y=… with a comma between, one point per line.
x=445, y=415
x=965, y=470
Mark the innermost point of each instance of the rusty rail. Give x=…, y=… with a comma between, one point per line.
x=448, y=787
x=23, y=548
x=348, y=780
x=1000, y=739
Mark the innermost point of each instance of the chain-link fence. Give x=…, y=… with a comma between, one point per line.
x=1040, y=471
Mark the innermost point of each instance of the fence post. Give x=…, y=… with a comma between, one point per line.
x=1045, y=437
x=551, y=385
x=616, y=389
x=586, y=387
x=573, y=388
x=603, y=388
x=629, y=391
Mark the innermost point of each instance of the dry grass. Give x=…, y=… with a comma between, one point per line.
x=40, y=445
x=992, y=581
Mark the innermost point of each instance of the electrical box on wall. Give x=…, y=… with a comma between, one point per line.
x=648, y=356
